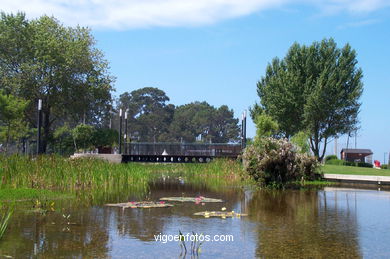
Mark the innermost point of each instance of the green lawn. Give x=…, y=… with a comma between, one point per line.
x=339, y=169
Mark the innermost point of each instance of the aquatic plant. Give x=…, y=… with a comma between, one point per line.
x=4, y=220
x=195, y=244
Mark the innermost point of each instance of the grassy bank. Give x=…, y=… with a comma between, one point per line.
x=353, y=170
x=21, y=194
x=58, y=174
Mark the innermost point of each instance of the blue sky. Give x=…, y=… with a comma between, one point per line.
x=216, y=50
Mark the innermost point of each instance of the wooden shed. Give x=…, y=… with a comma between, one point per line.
x=357, y=155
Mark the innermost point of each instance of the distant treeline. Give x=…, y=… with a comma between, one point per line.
x=43, y=59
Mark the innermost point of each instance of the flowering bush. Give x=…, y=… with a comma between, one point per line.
x=278, y=161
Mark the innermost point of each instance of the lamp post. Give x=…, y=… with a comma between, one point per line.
x=120, y=131
x=125, y=136
x=244, y=132
x=39, y=126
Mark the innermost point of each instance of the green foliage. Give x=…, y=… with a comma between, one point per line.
x=335, y=162
x=276, y=161
x=363, y=164
x=314, y=88
x=151, y=119
x=83, y=136
x=149, y=114
x=103, y=137
x=217, y=125
x=385, y=166
x=12, y=124
x=265, y=126
x=62, y=174
x=301, y=141
x=63, y=142
x=347, y=163
x=330, y=157
x=42, y=59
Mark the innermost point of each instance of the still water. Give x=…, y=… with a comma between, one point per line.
x=331, y=222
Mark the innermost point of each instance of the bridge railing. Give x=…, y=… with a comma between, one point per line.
x=184, y=149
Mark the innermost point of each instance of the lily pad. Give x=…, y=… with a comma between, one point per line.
x=222, y=214
x=198, y=199
x=140, y=204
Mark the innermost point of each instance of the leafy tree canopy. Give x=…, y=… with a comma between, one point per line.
x=42, y=59
x=12, y=124
x=314, y=88
x=217, y=125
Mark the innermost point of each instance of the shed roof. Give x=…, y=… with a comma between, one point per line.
x=356, y=151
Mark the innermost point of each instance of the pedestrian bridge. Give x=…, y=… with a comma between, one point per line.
x=179, y=152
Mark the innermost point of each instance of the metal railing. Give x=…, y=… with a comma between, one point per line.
x=183, y=149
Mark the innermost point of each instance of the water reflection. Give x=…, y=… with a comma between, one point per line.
x=305, y=224
x=333, y=222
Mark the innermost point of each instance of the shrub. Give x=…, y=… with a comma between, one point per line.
x=272, y=161
x=346, y=163
x=335, y=162
x=362, y=164
x=330, y=157
x=385, y=166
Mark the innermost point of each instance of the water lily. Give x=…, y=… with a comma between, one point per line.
x=223, y=209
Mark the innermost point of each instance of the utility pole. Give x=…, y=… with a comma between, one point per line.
x=120, y=131
x=39, y=150
x=384, y=158
x=335, y=146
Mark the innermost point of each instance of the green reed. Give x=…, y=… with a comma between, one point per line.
x=4, y=220
x=58, y=173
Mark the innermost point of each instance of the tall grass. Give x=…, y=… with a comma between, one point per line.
x=58, y=173
x=54, y=172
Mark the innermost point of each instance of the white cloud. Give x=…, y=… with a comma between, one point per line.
x=358, y=23
x=122, y=14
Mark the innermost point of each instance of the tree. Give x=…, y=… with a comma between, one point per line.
x=103, y=137
x=265, y=126
x=83, y=136
x=149, y=115
x=217, y=125
x=314, y=88
x=42, y=59
x=12, y=125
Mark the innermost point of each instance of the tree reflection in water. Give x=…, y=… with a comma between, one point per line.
x=304, y=224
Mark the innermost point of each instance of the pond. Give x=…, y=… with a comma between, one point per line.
x=330, y=222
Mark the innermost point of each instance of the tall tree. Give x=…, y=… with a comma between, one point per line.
x=42, y=59
x=217, y=125
x=149, y=114
x=12, y=124
x=315, y=89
